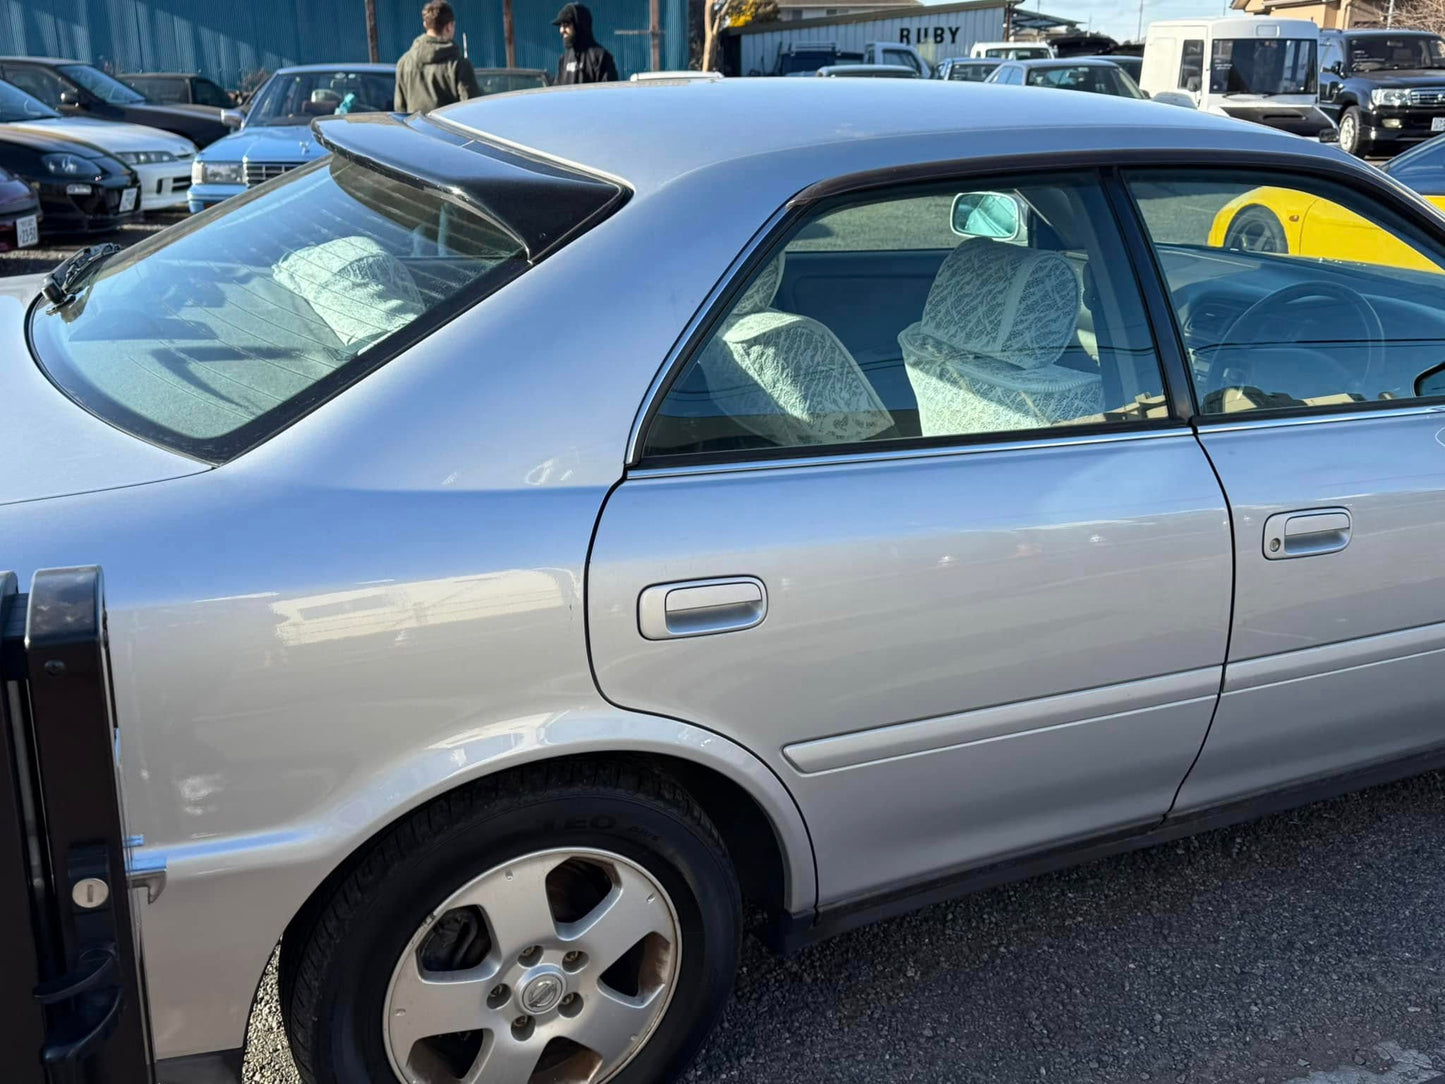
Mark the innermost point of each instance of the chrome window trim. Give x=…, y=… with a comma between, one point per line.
x=1359, y=412
x=883, y=454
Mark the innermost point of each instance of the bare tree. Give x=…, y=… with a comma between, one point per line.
x=1420, y=15
x=718, y=15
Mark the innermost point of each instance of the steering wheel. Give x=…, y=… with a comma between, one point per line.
x=1257, y=323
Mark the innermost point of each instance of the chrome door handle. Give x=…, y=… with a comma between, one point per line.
x=668, y=611
x=1307, y=533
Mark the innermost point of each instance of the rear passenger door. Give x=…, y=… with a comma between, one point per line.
x=1309, y=308
x=911, y=519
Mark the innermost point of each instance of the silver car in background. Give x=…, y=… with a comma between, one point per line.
x=522, y=551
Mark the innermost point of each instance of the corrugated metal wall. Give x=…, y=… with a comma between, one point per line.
x=227, y=39
x=960, y=29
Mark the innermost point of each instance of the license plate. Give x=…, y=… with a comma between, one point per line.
x=1437, y=124
x=27, y=233
x=128, y=198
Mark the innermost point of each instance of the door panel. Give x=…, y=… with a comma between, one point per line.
x=936, y=609
x=1321, y=677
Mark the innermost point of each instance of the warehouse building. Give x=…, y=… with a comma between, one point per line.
x=938, y=31
x=231, y=41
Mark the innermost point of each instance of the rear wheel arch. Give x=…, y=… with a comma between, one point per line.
x=765, y=865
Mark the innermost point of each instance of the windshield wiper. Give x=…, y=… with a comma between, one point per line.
x=60, y=286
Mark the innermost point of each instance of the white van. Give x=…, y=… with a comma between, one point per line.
x=1264, y=70
x=1011, y=50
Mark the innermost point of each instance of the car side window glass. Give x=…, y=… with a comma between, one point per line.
x=1295, y=293
x=38, y=83
x=207, y=93
x=949, y=311
x=1191, y=64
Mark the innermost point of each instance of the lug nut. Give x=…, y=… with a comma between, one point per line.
x=521, y=1022
x=498, y=997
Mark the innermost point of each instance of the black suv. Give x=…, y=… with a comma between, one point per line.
x=1384, y=88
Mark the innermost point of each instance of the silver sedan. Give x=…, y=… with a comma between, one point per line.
x=538, y=530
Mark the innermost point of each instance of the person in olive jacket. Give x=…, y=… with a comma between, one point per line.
x=433, y=72
x=583, y=60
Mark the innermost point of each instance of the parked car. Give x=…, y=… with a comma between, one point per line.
x=489, y=661
x=81, y=189
x=867, y=71
x=1385, y=89
x=277, y=135
x=178, y=88
x=1286, y=222
x=162, y=161
x=1077, y=73
x=1257, y=69
x=76, y=89
x=965, y=69
x=503, y=80
x=1011, y=50
x=1133, y=65
x=20, y=213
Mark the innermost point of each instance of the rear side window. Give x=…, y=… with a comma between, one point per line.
x=944, y=313
x=1191, y=65
x=221, y=331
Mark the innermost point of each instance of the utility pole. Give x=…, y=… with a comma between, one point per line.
x=373, y=44
x=1390, y=15
x=508, y=33
x=1139, y=33
x=654, y=31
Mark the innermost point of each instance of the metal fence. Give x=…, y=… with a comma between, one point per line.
x=229, y=41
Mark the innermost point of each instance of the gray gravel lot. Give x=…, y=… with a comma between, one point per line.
x=1305, y=947
x=34, y=261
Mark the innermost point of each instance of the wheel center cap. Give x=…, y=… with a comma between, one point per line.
x=543, y=993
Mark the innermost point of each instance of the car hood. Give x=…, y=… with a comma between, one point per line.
x=111, y=136
x=1431, y=77
x=48, y=141
x=49, y=447
x=283, y=143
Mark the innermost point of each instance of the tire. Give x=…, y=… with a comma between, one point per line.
x=1256, y=229
x=437, y=892
x=1352, y=132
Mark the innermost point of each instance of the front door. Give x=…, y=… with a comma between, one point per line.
x=914, y=524
x=1309, y=310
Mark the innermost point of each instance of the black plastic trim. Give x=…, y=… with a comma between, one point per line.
x=793, y=932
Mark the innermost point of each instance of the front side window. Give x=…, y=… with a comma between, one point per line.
x=1294, y=293
x=1093, y=78
x=1263, y=66
x=216, y=333
x=1191, y=65
x=159, y=90
x=298, y=98
x=942, y=312
x=109, y=90
x=207, y=93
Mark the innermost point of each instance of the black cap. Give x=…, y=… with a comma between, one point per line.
x=568, y=14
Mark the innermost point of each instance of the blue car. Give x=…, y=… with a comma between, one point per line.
x=276, y=136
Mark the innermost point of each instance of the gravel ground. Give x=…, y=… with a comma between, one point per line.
x=1305, y=947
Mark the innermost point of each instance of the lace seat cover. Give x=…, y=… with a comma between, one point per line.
x=787, y=378
x=984, y=356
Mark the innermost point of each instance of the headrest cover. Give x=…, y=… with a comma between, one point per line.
x=1015, y=304
x=760, y=293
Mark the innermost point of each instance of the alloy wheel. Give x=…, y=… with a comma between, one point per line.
x=556, y=966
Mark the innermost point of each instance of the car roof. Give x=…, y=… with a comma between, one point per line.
x=53, y=60
x=161, y=75
x=1380, y=33
x=868, y=68
x=342, y=65
x=1062, y=62
x=649, y=134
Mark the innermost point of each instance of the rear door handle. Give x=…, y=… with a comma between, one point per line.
x=668, y=611
x=1306, y=533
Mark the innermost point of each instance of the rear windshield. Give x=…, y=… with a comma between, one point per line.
x=220, y=331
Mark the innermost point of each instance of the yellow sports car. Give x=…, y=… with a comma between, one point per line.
x=1287, y=221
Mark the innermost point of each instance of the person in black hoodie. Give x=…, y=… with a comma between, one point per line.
x=583, y=60
x=433, y=72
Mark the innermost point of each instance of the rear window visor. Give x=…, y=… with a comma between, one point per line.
x=217, y=333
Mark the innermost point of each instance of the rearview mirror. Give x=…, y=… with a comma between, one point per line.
x=232, y=118
x=1193, y=84
x=1431, y=382
x=1334, y=67
x=987, y=214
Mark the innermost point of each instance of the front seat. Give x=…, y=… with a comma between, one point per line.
x=984, y=357
x=787, y=378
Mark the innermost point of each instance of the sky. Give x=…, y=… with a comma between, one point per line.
x=1120, y=18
